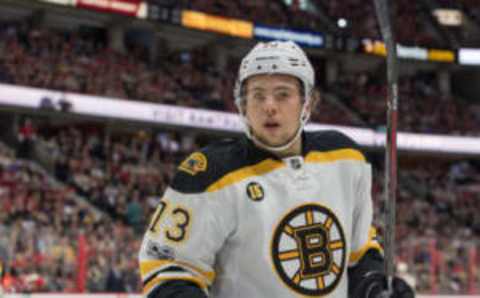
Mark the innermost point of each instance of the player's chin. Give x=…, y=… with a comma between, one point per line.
x=273, y=141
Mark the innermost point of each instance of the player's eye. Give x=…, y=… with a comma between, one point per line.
x=258, y=96
x=282, y=95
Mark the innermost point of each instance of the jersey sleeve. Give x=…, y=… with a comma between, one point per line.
x=363, y=234
x=188, y=228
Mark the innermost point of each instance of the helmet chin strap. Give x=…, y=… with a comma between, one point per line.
x=303, y=120
x=279, y=148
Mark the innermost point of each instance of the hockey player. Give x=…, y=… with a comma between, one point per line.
x=279, y=213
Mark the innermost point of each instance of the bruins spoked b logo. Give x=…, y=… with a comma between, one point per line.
x=309, y=250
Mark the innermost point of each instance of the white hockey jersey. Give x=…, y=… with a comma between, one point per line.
x=239, y=222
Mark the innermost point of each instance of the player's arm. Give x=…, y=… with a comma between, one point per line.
x=178, y=250
x=371, y=262
x=368, y=280
x=178, y=289
x=188, y=228
x=366, y=273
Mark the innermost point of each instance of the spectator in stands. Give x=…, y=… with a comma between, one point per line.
x=187, y=78
x=429, y=213
x=115, y=282
x=134, y=212
x=107, y=170
x=5, y=76
x=26, y=138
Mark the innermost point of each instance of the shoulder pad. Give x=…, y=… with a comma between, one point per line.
x=330, y=140
x=202, y=168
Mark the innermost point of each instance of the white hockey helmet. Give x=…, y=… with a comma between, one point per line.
x=276, y=57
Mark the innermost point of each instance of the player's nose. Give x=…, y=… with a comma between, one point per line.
x=270, y=105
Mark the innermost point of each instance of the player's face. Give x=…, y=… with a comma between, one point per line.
x=273, y=106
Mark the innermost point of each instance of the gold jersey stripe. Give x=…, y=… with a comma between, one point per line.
x=372, y=233
x=151, y=284
x=147, y=267
x=334, y=155
x=355, y=256
x=258, y=169
x=371, y=244
x=270, y=165
x=289, y=255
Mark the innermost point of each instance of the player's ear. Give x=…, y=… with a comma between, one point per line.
x=242, y=106
x=315, y=98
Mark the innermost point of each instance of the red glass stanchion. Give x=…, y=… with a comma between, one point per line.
x=472, y=270
x=433, y=266
x=81, y=263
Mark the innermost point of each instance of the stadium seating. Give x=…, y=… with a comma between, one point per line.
x=102, y=184
x=68, y=63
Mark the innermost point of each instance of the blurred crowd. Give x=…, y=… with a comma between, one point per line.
x=423, y=108
x=274, y=13
x=436, y=226
x=470, y=14
x=86, y=64
x=410, y=21
x=41, y=224
x=122, y=175
x=78, y=225
x=411, y=24
x=83, y=64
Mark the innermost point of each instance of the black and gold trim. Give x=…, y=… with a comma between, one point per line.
x=258, y=169
x=154, y=272
x=194, y=164
x=233, y=160
x=319, y=254
x=372, y=244
x=255, y=191
x=229, y=161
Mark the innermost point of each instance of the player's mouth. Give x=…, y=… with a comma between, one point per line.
x=271, y=126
